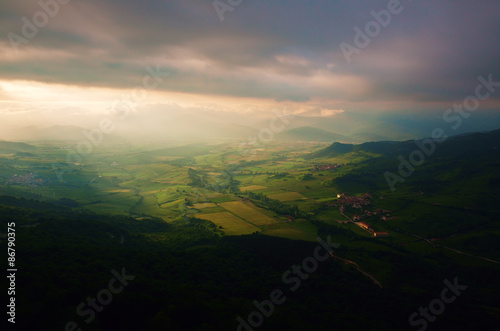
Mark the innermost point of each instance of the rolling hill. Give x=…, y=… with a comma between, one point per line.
x=10, y=147
x=470, y=144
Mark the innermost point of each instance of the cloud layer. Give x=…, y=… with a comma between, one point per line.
x=268, y=52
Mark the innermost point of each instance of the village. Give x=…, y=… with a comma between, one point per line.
x=345, y=202
x=31, y=180
x=330, y=167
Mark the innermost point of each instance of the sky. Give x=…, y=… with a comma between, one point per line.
x=65, y=61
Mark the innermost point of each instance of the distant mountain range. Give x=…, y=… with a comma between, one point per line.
x=453, y=146
x=179, y=125
x=309, y=133
x=9, y=147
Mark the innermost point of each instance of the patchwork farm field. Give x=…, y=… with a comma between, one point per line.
x=252, y=188
x=204, y=205
x=288, y=196
x=213, y=182
x=231, y=224
x=248, y=212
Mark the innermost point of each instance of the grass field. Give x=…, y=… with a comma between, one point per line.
x=248, y=212
x=252, y=188
x=288, y=196
x=232, y=225
x=204, y=205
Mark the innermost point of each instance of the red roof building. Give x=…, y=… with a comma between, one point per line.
x=380, y=234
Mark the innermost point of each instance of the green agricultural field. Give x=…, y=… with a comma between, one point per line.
x=248, y=212
x=174, y=176
x=288, y=196
x=204, y=205
x=231, y=224
x=221, y=198
x=252, y=188
x=330, y=214
x=213, y=210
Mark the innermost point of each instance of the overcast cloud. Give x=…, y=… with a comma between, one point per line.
x=264, y=52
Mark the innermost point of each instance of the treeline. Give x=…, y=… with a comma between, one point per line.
x=196, y=177
x=224, y=183
x=277, y=175
x=275, y=205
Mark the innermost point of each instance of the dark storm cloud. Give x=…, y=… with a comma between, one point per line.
x=283, y=50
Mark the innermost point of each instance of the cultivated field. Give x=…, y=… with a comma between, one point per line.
x=231, y=224
x=204, y=205
x=288, y=196
x=248, y=213
x=252, y=188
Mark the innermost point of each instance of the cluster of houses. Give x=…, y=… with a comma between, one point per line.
x=331, y=167
x=385, y=215
x=30, y=180
x=360, y=202
x=352, y=201
x=369, y=228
